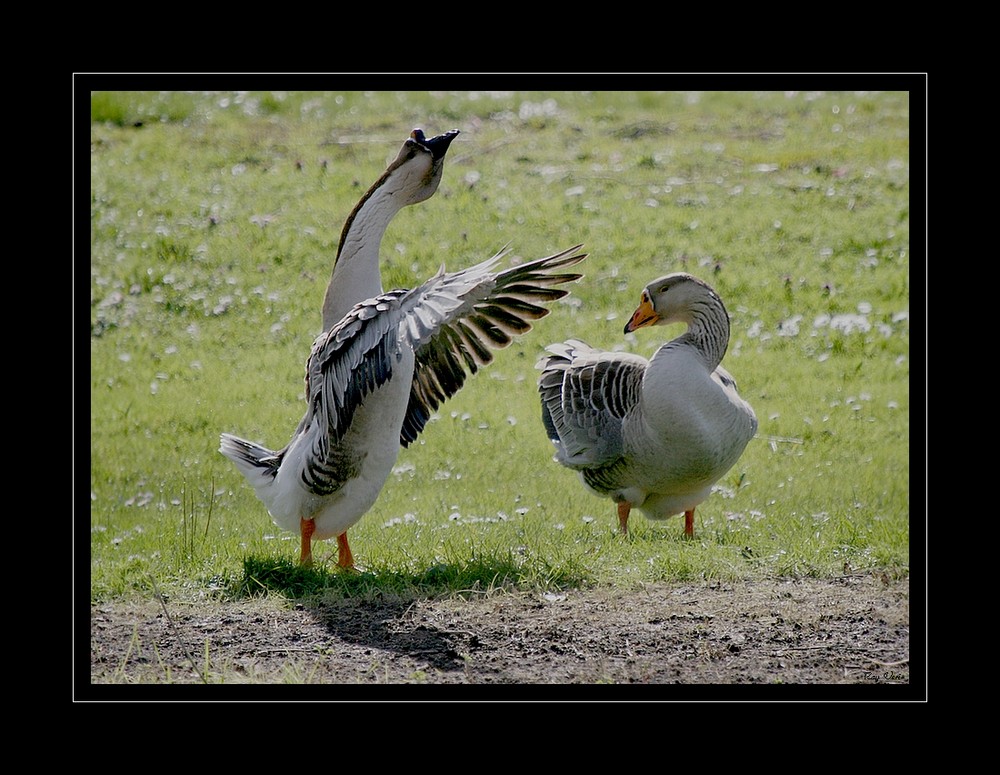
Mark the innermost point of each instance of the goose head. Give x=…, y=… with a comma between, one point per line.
x=416, y=171
x=673, y=298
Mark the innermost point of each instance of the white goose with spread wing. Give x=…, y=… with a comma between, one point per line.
x=376, y=374
x=655, y=435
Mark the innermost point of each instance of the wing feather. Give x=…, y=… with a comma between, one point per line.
x=454, y=321
x=346, y=364
x=586, y=395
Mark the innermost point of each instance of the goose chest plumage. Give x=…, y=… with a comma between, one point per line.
x=654, y=435
x=386, y=360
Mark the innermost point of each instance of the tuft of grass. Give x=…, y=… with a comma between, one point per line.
x=264, y=576
x=480, y=573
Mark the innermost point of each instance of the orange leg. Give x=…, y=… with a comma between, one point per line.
x=624, y=507
x=306, y=528
x=689, y=523
x=344, y=557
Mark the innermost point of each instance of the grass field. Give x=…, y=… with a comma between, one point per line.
x=214, y=220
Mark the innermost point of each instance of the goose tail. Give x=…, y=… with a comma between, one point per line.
x=258, y=464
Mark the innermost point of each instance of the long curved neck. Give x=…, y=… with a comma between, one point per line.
x=356, y=274
x=708, y=329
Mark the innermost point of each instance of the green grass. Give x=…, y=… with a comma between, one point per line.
x=214, y=222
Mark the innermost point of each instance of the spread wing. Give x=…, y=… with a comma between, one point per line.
x=451, y=322
x=460, y=318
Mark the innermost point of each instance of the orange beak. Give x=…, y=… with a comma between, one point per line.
x=644, y=315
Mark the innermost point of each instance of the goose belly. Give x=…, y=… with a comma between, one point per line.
x=662, y=505
x=678, y=464
x=664, y=490
x=369, y=450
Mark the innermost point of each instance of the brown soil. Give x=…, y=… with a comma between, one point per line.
x=851, y=630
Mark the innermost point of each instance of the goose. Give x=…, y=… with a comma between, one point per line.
x=654, y=435
x=413, y=176
x=375, y=378
x=375, y=375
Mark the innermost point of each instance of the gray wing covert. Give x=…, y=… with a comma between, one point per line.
x=586, y=395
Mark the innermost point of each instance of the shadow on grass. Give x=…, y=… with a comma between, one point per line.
x=275, y=575
x=374, y=609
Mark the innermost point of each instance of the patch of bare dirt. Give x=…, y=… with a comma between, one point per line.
x=852, y=630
